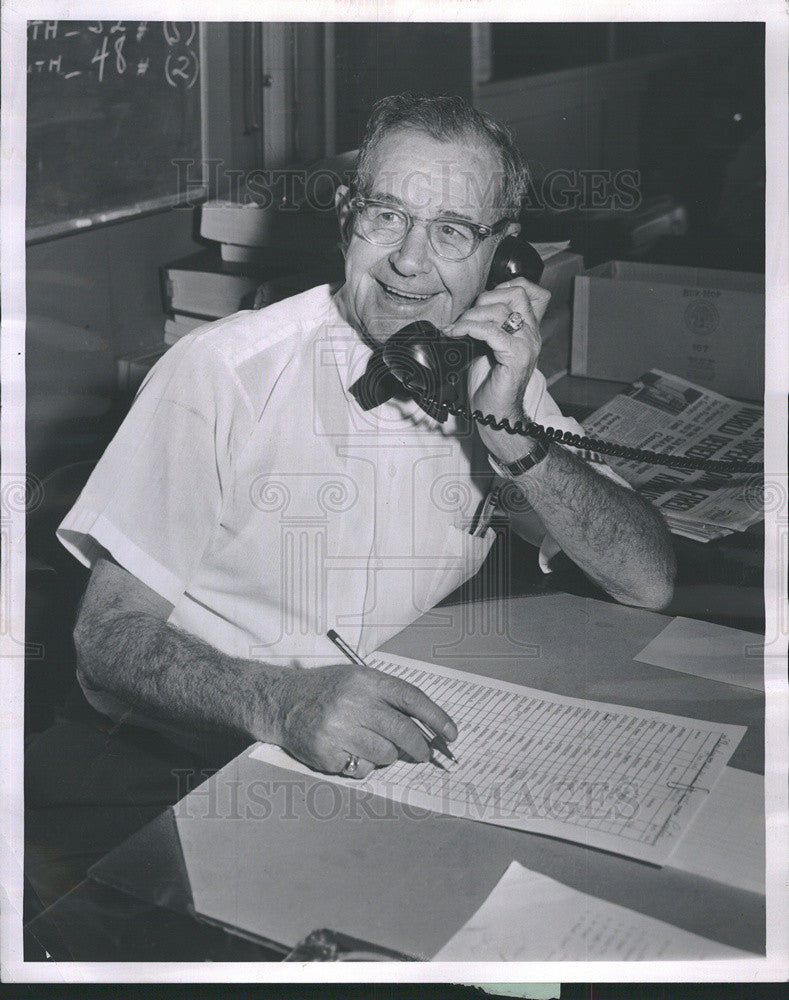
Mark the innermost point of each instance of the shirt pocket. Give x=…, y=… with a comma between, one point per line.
x=460, y=557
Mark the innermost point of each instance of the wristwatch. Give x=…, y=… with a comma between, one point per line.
x=511, y=470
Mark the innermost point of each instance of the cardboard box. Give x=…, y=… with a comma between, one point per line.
x=704, y=325
x=558, y=273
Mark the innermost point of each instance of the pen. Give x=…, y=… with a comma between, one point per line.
x=433, y=739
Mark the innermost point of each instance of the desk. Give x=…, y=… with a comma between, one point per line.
x=334, y=870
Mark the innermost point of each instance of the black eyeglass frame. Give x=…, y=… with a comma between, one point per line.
x=481, y=232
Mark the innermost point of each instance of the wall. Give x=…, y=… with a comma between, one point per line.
x=574, y=119
x=690, y=120
x=90, y=297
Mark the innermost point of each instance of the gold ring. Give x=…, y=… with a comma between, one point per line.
x=352, y=765
x=513, y=322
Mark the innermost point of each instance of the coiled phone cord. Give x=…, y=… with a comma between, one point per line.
x=547, y=434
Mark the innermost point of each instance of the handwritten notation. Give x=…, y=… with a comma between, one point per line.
x=116, y=50
x=182, y=33
x=182, y=65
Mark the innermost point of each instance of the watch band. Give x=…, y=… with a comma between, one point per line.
x=511, y=470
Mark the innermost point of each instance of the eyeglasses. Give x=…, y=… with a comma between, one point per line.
x=453, y=239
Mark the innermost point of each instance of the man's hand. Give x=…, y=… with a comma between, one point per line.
x=616, y=537
x=328, y=713
x=498, y=388
x=321, y=715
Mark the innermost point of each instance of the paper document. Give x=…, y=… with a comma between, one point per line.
x=532, y=918
x=622, y=779
x=708, y=650
x=725, y=842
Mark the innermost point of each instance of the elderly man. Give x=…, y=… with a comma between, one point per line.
x=249, y=503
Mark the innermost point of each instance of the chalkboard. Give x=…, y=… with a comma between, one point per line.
x=113, y=119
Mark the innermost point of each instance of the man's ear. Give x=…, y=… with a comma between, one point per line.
x=342, y=197
x=513, y=229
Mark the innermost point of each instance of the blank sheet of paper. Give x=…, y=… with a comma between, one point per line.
x=622, y=779
x=708, y=650
x=530, y=917
x=725, y=841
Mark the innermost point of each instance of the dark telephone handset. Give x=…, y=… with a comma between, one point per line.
x=431, y=368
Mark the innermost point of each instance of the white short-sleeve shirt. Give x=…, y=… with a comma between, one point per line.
x=248, y=489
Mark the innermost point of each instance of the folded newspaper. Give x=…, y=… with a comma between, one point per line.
x=666, y=413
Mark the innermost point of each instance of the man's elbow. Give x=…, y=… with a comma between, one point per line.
x=655, y=591
x=656, y=597
x=88, y=662
x=95, y=644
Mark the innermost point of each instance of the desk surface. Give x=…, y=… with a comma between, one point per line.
x=338, y=871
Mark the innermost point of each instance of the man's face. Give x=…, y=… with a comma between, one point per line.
x=387, y=287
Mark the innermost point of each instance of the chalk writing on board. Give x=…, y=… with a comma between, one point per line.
x=181, y=62
x=111, y=106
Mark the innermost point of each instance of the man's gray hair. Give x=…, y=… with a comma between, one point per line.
x=446, y=119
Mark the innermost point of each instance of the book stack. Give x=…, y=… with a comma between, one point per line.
x=257, y=257
x=179, y=324
x=202, y=287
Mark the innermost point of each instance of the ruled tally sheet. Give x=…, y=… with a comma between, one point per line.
x=621, y=779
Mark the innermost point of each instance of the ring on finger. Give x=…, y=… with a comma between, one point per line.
x=351, y=765
x=513, y=322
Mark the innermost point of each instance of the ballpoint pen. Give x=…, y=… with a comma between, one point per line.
x=434, y=740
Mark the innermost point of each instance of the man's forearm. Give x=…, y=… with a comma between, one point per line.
x=617, y=538
x=169, y=675
x=325, y=716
